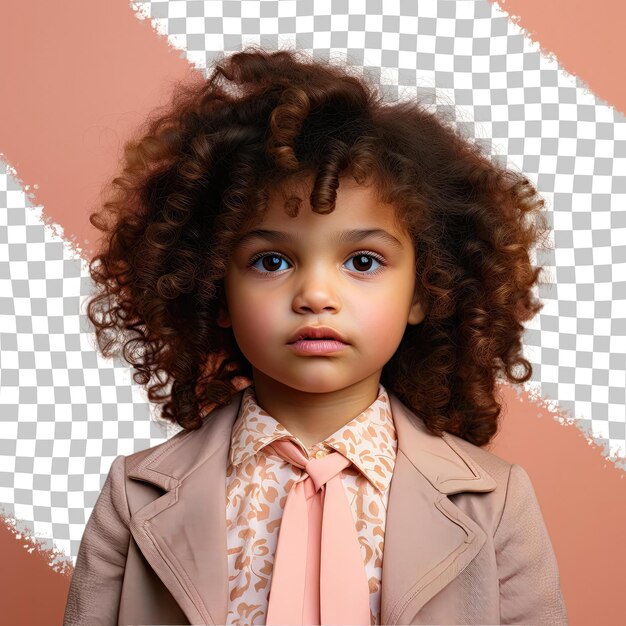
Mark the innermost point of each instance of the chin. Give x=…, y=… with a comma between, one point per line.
x=324, y=385
x=314, y=384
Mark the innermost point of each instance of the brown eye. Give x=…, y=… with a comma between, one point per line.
x=268, y=262
x=362, y=262
x=271, y=262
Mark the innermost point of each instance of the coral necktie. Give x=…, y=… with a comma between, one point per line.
x=319, y=575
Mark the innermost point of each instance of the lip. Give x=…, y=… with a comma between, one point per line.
x=317, y=346
x=317, y=332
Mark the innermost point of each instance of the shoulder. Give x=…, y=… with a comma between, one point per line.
x=188, y=443
x=514, y=494
x=497, y=467
x=508, y=476
x=137, y=458
x=474, y=477
x=167, y=464
x=510, y=514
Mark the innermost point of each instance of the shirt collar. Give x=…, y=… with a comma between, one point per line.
x=369, y=440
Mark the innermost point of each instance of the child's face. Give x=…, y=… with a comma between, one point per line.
x=274, y=287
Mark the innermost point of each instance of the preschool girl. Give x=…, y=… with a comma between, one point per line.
x=333, y=285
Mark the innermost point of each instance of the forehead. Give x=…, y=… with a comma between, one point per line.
x=356, y=205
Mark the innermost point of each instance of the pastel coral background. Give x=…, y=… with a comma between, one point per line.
x=79, y=77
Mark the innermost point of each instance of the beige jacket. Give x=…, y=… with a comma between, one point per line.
x=465, y=541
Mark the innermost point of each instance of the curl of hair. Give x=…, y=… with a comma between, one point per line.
x=200, y=172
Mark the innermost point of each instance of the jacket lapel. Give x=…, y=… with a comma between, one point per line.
x=182, y=534
x=428, y=539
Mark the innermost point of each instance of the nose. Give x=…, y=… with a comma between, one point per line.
x=315, y=292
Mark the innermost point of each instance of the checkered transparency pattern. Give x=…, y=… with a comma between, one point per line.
x=66, y=413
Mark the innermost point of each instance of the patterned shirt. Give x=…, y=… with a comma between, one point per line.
x=258, y=482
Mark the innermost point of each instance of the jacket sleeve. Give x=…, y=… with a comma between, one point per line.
x=94, y=594
x=530, y=589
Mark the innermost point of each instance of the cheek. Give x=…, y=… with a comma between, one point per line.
x=252, y=317
x=382, y=322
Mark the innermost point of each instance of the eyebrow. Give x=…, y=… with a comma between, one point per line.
x=346, y=236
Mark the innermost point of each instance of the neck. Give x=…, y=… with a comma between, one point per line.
x=309, y=416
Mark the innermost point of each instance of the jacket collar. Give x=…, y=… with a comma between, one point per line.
x=191, y=468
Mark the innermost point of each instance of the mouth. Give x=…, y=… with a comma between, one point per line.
x=315, y=334
x=317, y=345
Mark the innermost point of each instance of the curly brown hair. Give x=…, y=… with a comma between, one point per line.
x=199, y=172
